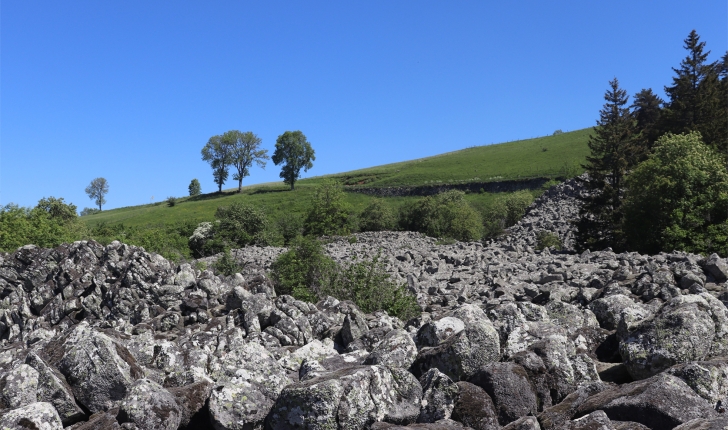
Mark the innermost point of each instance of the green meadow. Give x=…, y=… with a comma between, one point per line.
x=551, y=156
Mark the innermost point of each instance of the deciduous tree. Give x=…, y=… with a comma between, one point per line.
x=96, y=191
x=194, y=188
x=678, y=199
x=245, y=150
x=295, y=152
x=218, y=153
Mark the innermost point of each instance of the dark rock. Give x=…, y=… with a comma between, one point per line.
x=474, y=408
x=508, y=386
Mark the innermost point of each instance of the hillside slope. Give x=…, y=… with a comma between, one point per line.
x=550, y=156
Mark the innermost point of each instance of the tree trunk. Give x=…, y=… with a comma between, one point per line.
x=240, y=186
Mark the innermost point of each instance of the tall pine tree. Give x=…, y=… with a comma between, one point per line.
x=646, y=111
x=695, y=97
x=613, y=152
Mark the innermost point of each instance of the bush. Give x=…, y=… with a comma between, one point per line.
x=377, y=216
x=307, y=273
x=89, y=211
x=446, y=215
x=171, y=201
x=167, y=240
x=226, y=264
x=49, y=224
x=303, y=270
x=290, y=226
x=329, y=214
x=678, y=199
x=195, y=189
x=505, y=211
x=546, y=239
x=236, y=226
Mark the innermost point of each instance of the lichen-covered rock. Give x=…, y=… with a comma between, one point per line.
x=609, y=309
x=20, y=387
x=249, y=380
x=660, y=402
x=354, y=326
x=98, y=421
x=438, y=396
x=709, y=379
x=446, y=424
x=397, y=349
x=462, y=354
x=595, y=420
x=683, y=330
x=98, y=368
x=36, y=416
x=353, y=398
x=433, y=333
x=53, y=388
x=150, y=407
x=507, y=384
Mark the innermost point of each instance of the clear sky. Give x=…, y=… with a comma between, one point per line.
x=132, y=90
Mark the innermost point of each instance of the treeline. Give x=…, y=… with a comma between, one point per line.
x=657, y=169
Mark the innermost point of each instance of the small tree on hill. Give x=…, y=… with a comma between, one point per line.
x=613, y=152
x=295, y=152
x=244, y=150
x=195, y=189
x=96, y=191
x=218, y=153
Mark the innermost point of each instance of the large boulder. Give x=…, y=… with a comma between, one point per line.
x=438, y=396
x=150, y=407
x=462, y=354
x=687, y=328
x=352, y=398
x=660, y=402
x=397, y=349
x=474, y=408
x=37, y=416
x=249, y=380
x=98, y=368
x=509, y=387
x=19, y=387
x=53, y=388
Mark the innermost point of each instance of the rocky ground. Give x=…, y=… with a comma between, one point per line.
x=109, y=337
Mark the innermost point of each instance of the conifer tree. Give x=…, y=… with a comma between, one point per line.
x=695, y=97
x=646, y=111
x=613, y=152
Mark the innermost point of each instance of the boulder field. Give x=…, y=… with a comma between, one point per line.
x=113, y=337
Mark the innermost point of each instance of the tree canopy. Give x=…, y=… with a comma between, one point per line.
x=96, y=191
x=244, y=151
x=678, y=198
x=218, y=153
x=295, y=152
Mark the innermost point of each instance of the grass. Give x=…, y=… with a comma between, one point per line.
x=551, y=156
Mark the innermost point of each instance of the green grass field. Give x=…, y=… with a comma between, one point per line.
x=550, y=156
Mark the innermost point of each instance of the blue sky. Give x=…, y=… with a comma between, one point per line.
x=132, y=90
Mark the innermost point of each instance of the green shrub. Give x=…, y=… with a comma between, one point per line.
x=49, y=224
x=168, y=240
x=546, y=239
x=171, y=201
x=303, y=269
x=446, y=215
x=226, y=264
x=329, y=213
x=504, y=212
x=236, y=226
x=370, y=287
x=89, y=211
x=290, y=226
x=377, y=216
x=307, y=273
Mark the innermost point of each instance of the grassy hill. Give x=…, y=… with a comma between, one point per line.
x=550, y=156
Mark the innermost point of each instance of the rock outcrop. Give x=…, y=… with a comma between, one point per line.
x=97, y=337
